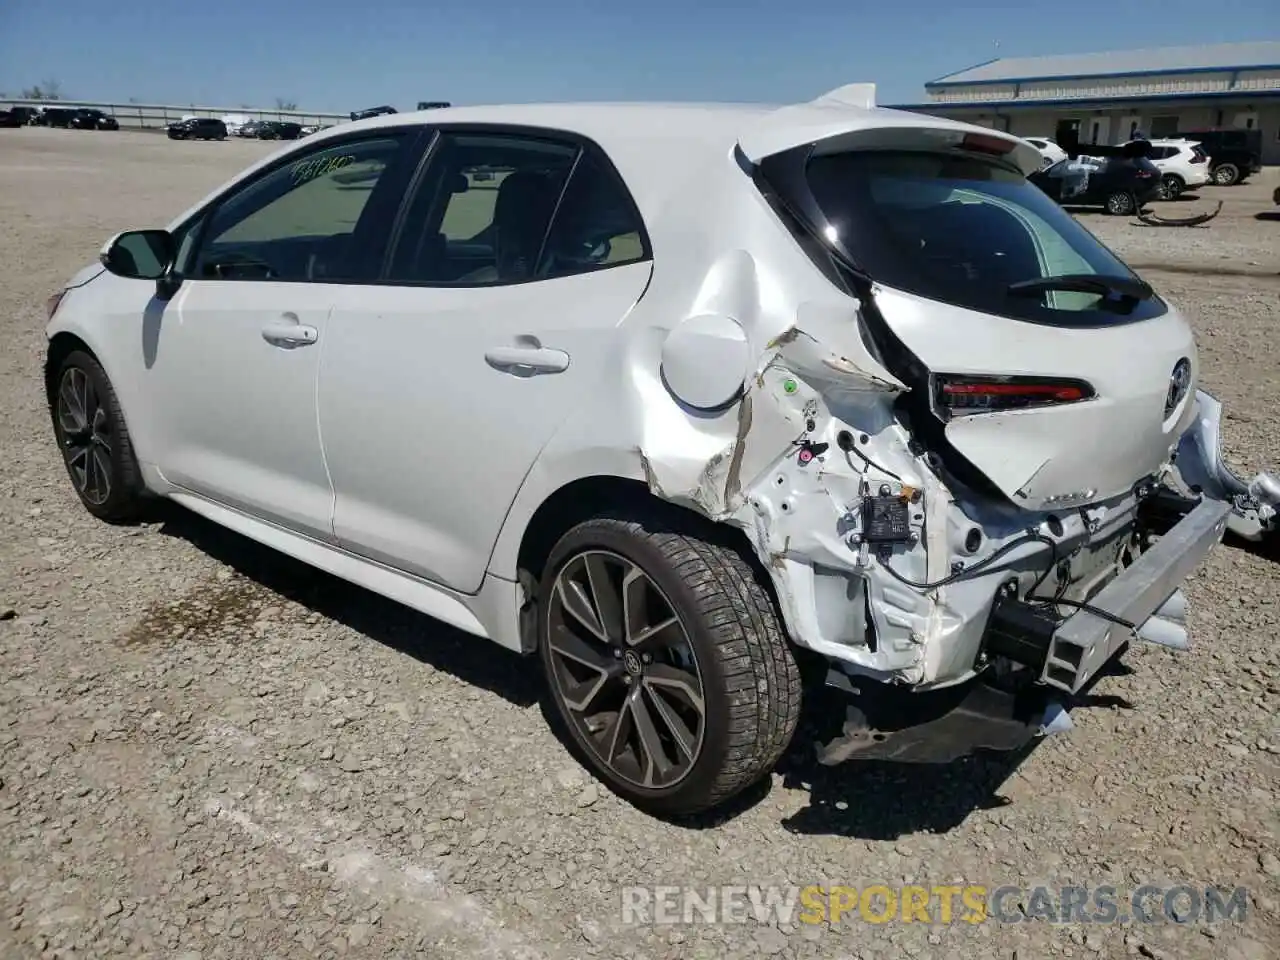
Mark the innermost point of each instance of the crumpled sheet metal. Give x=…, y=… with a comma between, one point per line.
x=761, y=466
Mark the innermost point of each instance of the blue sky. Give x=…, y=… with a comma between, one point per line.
x=343, y=55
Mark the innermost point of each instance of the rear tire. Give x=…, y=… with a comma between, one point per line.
x=1171, y=187
x=1226, y=174
x=676, y=719
x=1121, y=203
x=91, y=433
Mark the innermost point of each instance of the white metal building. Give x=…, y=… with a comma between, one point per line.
x=1112, y=96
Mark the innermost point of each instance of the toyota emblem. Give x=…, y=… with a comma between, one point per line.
x=1179, y=385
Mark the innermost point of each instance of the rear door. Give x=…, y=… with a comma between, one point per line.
x=496, y=314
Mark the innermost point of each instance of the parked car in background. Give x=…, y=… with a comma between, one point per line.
x=702, y=405
x=26, y=115
x=1120, y=185
x=10, y=119
x=87, y=119
x=234, y=121
x=250, y=129
x=1183, y=165
x=279, y=130
x=55, y=116
x=198, y=128
x=1049, y=151
x=372, y=112
x=1234, y=155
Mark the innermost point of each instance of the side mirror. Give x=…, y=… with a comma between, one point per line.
x=139, y=254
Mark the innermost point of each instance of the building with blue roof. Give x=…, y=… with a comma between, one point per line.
x=1110, y=97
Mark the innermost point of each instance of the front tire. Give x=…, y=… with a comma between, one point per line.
x=1171, y=187
x=666, y=661
x=91, y=433
x=1226, y=174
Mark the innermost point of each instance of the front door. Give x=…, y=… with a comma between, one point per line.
x=498, y=314
x=238, y=349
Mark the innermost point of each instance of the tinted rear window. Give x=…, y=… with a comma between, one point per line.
x=959, y=230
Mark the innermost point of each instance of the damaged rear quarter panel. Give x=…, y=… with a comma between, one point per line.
x=748, y=465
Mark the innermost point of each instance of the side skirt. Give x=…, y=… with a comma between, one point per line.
x=491, y=613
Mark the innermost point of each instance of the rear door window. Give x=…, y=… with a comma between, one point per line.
x=960, y=230
x=500, y=208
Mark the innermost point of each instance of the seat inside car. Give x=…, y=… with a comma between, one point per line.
x=521, y=214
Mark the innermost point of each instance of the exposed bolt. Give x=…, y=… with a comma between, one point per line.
x=617, y=653
x=646, y=658
x=884, y=489
x=626, y=678
x=957, y=566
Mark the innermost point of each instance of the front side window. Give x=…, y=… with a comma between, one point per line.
x=298, y=222
x=963, y=231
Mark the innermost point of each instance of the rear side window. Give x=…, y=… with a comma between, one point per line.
x=595, y=225
x=498, y=208
x=961, y=230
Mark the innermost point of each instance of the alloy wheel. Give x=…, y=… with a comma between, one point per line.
x=85, y=433
x=623, y=667
x=1120, y=203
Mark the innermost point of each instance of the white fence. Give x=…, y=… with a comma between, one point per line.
x=159, y=115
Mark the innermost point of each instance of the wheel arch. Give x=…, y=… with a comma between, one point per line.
x=591, y=496
x=61, y=345
x=588, y=496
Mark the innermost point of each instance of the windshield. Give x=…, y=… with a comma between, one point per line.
x=961, y=230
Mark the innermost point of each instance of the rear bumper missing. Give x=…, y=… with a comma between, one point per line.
x=1087, y=639
x=1062, y=655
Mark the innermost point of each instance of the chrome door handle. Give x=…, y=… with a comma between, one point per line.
x=287, y=332
x=527, y=360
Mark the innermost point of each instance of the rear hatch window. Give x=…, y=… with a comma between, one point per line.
x=961, y=229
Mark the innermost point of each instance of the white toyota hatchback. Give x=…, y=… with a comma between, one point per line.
x=686, y=399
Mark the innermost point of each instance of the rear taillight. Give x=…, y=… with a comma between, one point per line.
x=957, y=394
x=51, y=305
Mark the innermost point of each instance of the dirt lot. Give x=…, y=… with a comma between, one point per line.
x=207, y=751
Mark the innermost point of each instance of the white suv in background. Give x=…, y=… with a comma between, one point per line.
x=1050, y=152
x=1182, y=165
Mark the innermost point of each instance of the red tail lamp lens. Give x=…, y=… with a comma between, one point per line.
x=984, y=143
x=978, y=394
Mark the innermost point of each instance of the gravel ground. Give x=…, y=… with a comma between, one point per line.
x=208, y=751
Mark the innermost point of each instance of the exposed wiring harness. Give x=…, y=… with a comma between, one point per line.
x=981, y=564
x=1031, y=596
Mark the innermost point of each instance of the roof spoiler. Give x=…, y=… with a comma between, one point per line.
x=850, y=95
